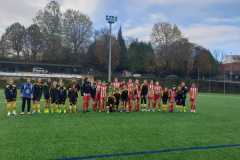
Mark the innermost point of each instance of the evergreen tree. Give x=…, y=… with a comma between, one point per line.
x=141, y=57
x=123, y=51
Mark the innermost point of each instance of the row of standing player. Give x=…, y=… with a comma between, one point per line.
x=105, y=96
x=55, y=95
x=134, y=96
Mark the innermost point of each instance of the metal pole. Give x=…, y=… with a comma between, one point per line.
x=110, y=54
x=198, y=75
x=224, y=85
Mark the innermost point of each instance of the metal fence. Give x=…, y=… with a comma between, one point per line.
x=210, y=86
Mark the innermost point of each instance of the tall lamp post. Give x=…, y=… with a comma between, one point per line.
x=111, y=20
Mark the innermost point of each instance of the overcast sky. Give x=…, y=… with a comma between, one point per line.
x=214, y=24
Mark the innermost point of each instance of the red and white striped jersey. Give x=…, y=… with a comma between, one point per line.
x=157, y=90
x=121, y=85
x=172, y=95
x=130, y=88
x=98, y=89
x=193, y=92
x=151, y=89
x=137, y=90
x=116, y=85
x=103, y=92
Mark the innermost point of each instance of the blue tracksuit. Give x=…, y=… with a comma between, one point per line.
x=27, y=90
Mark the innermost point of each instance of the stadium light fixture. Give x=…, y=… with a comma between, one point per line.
x=111, y=20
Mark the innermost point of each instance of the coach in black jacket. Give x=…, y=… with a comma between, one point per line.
x=86, y=93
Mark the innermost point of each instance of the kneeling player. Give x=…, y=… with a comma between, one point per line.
x=37, y=95
x=193, y=97
x=62, y=96
x=110, y=104
x=72, y=96
x=11, y=95
x=165, y=98
x=117, y=96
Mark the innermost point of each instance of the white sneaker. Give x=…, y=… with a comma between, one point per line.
x=29, y=113
x=22, y=113
x=159, y=110
x=8, y=114
x=149, y=110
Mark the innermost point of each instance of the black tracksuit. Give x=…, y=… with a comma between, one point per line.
x=37, y=92
x=124, y=95
x=62, y=95
x=73, y=96
x=86, y=88
x=179, y=97
x=93, y=91
x=165, y=97
x=54, y=95
x=144, y=92
x=46, y=91
x=11, y=93
x=184, y=95
x=117, y=96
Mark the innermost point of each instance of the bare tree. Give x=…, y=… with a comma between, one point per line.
x=77, y=29
x=99, y=50
x=163, y=37
x=50, y=19
x=33, y=41
x=164, y=34
x=15, y=35
x=5, y=46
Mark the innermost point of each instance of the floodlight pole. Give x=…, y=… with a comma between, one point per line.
x=224, y=82
x=110, y=54
x=111, y=20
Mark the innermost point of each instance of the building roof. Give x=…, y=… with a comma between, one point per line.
x=231, y=59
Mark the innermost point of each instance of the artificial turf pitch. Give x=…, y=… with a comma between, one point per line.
x=40, y=137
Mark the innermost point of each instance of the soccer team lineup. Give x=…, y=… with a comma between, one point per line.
x=98, y=96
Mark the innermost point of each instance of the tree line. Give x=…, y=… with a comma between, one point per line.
x=69, y=38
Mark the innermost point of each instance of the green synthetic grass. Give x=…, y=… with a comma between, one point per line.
x=41, y=137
